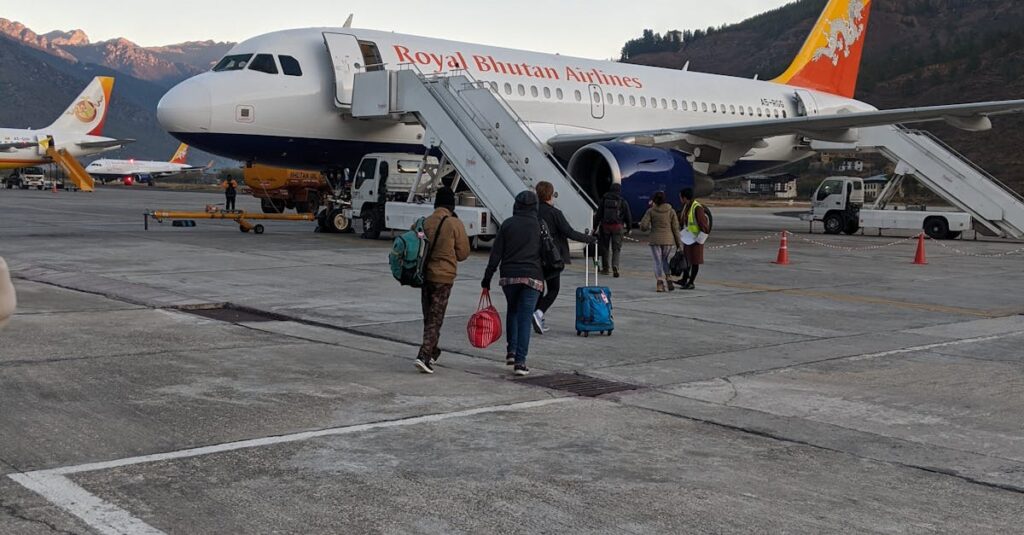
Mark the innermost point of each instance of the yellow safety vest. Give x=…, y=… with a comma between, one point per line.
x=691, y=218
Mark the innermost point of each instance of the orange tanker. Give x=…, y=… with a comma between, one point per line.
x=280, y=189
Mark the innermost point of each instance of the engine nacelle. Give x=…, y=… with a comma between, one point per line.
x=642, y=171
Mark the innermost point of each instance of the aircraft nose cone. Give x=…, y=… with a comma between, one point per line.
x=186, y=108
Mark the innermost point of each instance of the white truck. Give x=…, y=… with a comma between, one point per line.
x=390, y=191
x=26, y=178
x=839, y=204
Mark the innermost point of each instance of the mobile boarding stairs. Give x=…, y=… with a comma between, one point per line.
x=995, y=208
x=490, y=146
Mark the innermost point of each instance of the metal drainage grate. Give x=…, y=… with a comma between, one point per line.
x=231, y=313
x=578, y=384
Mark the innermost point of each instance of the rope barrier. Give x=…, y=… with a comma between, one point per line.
x=852, y=249
x=743, y=244
x=976, y=255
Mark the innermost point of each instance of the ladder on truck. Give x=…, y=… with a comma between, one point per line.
x=490, y=146
x=995, y=207
x=76, y=173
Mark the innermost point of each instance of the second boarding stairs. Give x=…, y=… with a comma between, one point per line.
x=995, y=208
x=490, y=146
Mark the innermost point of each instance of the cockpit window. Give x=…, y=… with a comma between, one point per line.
x=290, y=66
x=233, y=63
x=264, y=63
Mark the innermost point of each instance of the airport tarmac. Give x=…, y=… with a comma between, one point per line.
x=849, y=392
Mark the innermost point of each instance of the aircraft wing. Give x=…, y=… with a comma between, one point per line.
x=105, y=144
x=7, y=147
x=824, y=127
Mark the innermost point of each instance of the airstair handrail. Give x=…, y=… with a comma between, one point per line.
x=964, y=159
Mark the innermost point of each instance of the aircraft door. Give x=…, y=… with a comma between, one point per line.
x=596, y=102
x=806, y=105
x=347, y=59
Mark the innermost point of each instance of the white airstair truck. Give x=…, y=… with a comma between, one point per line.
x=996, y=210
x=839, y=204
x=493, y=152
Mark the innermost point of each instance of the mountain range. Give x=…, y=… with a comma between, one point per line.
x=41, y=74
x=917, y=53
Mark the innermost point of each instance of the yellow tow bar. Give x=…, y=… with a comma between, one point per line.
x=238, y=216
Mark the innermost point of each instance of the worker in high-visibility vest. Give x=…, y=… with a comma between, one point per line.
x=230, y=186
x=693, y=219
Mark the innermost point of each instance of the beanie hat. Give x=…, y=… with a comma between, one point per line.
x=445, y=198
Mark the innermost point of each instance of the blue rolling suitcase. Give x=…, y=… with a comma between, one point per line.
x=593, y=305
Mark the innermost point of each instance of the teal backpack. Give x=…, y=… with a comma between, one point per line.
x=409, y=255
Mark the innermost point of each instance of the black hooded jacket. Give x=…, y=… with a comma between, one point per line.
x=561, y=231
x=517, y=247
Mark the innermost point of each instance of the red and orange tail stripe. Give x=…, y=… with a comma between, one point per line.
x=181, y=155
x=107, y=83
x=830, y=58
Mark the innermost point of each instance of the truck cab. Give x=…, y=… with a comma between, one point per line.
x=390, y=191
x=27, y=177
x=837, y=204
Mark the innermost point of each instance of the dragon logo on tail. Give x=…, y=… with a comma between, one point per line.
x=843, y=33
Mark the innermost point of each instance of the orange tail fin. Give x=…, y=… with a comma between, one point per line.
x=181, y=155
x=830, y=58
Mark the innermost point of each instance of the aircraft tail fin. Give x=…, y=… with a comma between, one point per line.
x=87, y=114
x=181, y=155
x=830, y=58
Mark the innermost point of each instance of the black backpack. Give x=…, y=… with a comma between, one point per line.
x=611, y=211
x=551, y=260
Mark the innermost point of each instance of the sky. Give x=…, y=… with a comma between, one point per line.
x=586, y=28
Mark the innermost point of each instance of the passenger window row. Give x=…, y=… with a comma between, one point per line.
x=655, y=103
x=261, y=63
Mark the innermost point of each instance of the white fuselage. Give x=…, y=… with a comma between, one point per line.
x=36, y=155
x=122, y=168
x=294, y=120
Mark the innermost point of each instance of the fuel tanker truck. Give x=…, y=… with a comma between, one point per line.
x=282, y=189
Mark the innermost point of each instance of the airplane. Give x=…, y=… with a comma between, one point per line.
x=279, y=99
x=106, y=169
x=78, y=130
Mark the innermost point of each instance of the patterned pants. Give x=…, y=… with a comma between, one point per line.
x=434, y=298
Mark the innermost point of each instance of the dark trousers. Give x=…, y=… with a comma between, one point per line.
x=522, y=301
x=434, y=299
x=611, y=248
x=551, y=288
x=229, y=203
x=690, y=275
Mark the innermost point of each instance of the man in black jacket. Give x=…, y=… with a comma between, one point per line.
x=561, y=232
x=517, y=250
x=613, y=220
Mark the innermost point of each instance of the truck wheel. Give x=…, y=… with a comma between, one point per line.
x=852, y=226
x=258, y=229
x=337, y=222
x=936, y=228
x=834, y=223
x=372, y=224
x=271, y=206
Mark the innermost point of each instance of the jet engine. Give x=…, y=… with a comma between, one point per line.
x=642, y=171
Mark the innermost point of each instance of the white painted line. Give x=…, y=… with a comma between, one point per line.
x=100, y=515
x=964, y=341
x=110, y=519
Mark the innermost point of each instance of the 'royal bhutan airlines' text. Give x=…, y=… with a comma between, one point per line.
x=488, y=64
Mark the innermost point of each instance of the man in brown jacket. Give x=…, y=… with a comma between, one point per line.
x=449, y=245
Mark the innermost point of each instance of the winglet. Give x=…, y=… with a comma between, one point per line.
x=830, y=58
x=348, y=22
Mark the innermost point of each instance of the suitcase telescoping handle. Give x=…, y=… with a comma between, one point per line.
x=586, y=263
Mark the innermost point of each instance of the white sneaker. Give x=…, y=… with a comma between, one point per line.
x=538, y=322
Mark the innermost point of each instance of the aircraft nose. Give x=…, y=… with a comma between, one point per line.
x=186, y=108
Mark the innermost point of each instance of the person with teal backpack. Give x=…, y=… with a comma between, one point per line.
x=432, y=265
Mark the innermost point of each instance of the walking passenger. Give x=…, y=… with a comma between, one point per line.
x=663, y=223
x=694, y=219
x=613, y=220
x=517, y=250
x=561, y=232
x=230, y=186
x=449, y=245
x=8, y=300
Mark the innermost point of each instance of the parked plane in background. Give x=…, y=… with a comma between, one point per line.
x=283, y=99
x=118, y=169
x=78, y=131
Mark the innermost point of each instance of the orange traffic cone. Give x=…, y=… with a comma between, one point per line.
x=921, y=259
x=54, y=189
x=783, y=259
